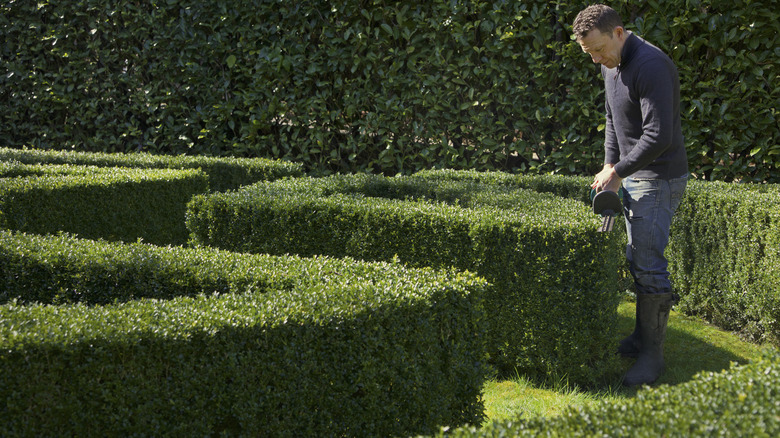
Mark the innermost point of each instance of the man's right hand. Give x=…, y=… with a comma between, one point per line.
x=607, y=179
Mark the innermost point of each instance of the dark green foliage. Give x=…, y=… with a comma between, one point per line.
x=740, y=402
x=377, y=86
x=108, y=203
x=726, y=52
x=223, y=173
x=555, y=299
x=207, y=342
x=725, y=256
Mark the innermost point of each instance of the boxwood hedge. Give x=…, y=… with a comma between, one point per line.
x=115, y=204
x=14, y=169
x=152, y=341
x=725, y=256
x=553, y=310
x=223, y=173
x=724, y=249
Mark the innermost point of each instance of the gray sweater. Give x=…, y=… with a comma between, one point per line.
x=643, y=133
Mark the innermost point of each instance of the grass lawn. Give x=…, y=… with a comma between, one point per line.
x=691, y=346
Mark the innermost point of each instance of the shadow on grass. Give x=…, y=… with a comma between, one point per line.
x=692, y=346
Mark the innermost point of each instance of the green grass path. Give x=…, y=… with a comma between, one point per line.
x=691, y=346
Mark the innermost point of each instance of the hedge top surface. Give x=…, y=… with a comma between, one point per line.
x=462, y=199
x=294, y=290
x=15, y=169
x=223, y=173
x=137, y=159
x=49, y=177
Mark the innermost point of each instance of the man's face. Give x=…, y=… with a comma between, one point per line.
x=604, y=48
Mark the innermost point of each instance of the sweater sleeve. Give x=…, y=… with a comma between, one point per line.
x=655, y=89
x=611, y=147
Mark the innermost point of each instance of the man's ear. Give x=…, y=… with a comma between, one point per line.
x=619, y=32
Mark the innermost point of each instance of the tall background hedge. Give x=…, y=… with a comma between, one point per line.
x=376, y=85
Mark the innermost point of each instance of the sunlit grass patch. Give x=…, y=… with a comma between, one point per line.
x=692, y=346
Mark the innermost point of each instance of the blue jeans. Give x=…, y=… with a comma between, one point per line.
x=648, y=205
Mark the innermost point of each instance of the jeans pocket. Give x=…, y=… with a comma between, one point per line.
x=642, y=197
x=677, y=188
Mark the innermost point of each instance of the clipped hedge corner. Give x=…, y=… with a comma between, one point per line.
x=553, y=310
x=165, y=340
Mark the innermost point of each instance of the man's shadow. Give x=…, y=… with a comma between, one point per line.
x=686, y=355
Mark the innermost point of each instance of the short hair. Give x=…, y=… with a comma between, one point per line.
x=600, y=17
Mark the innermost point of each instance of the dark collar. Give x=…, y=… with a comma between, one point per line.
x=629, y=49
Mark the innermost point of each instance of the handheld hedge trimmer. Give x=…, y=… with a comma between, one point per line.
x=608, y=204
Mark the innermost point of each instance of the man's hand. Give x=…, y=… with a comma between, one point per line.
x=607, y=179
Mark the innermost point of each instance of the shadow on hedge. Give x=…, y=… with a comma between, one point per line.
x=293, y=379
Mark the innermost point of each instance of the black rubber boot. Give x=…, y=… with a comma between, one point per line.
x=653, y=316
x=631, y=344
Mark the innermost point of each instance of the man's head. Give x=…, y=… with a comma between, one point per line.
x=599, y=31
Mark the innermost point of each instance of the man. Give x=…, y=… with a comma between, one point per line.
x=645, y=152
